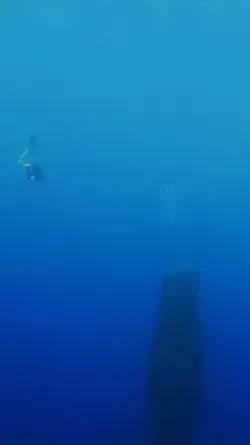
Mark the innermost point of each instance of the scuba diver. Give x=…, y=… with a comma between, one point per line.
x=31, y=167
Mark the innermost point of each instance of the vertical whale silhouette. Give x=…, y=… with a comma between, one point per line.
x=175, y=375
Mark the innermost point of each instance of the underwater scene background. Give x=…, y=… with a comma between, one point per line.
x=141, y=115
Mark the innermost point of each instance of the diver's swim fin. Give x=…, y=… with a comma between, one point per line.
x=32, y=141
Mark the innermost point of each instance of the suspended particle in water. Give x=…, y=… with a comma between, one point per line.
x=170, y=205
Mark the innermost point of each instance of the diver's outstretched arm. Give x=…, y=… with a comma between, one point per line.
x=27, y=155
x=21, y=160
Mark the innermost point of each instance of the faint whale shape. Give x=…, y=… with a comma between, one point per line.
x=175, y=377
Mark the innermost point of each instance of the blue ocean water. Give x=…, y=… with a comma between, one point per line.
x=128, y=100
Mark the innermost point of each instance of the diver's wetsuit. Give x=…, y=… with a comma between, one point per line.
x=34, y=172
